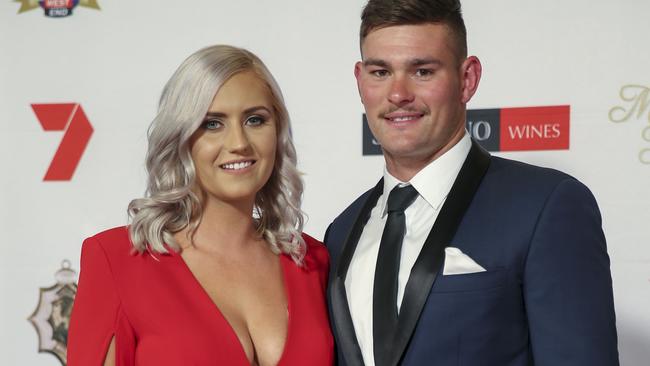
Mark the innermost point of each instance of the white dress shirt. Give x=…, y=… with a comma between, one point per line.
x=433, y=184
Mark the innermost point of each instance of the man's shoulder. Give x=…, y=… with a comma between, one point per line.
x=508, y=170
x=520, y=180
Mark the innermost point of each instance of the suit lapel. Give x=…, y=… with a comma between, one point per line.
x=431, y=258
x=347, y=339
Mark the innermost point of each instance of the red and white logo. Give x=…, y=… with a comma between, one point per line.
x=535, y=128
x=71, y=119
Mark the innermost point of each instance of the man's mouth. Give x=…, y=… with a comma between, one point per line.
x=403, y=119
x=398, y=117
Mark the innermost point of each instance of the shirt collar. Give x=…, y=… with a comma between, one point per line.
x=434, y=181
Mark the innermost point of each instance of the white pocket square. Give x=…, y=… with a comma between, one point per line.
x=456, y=262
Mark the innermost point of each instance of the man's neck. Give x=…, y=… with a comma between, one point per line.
x=405, y=168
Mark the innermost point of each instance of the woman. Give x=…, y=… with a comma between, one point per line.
x=213, y=269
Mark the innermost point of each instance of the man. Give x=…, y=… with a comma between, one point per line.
x=456, y=257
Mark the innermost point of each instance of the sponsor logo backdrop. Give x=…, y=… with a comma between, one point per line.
x=77, y=93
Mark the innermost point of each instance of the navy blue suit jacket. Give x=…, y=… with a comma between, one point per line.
x=545, y=298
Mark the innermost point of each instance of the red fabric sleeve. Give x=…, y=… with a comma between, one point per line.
x=318, y=258
x=96, y=305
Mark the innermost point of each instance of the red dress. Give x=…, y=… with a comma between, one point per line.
x=160, y=315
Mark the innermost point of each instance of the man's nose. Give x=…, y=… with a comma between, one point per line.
x=400, y=91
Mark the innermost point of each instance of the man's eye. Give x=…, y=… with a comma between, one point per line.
x=380, y=73
x=255, y=120
x=212, y=124
x=423, y=72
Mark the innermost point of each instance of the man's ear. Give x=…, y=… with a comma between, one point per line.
x=357, y=70
x=470, y=73
x=357, y=75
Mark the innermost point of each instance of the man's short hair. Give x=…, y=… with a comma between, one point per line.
x=385, y=13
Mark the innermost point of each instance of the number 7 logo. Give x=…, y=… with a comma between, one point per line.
x=70, y=118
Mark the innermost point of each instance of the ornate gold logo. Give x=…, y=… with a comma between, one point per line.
x=52, y=315
x=637, y=103
x=56, y=8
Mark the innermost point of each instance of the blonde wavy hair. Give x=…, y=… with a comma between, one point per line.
x=169, y=204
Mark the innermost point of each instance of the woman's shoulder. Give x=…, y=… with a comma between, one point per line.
x=317, y=253
x=114, y=243
x=112, y=250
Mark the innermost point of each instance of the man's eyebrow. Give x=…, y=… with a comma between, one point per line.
x=424, y=61
x=413, y=62
x=375, y=62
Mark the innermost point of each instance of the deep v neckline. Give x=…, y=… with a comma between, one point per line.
x=284, y=264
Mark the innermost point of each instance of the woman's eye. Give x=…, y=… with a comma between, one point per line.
x=212, y=124
x=255, y=120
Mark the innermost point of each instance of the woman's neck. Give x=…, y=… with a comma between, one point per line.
x=224, y=226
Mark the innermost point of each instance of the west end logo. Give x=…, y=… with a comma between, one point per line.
x=71, y=119
x=507, y=129
x=56, y=8
x=636, y=99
